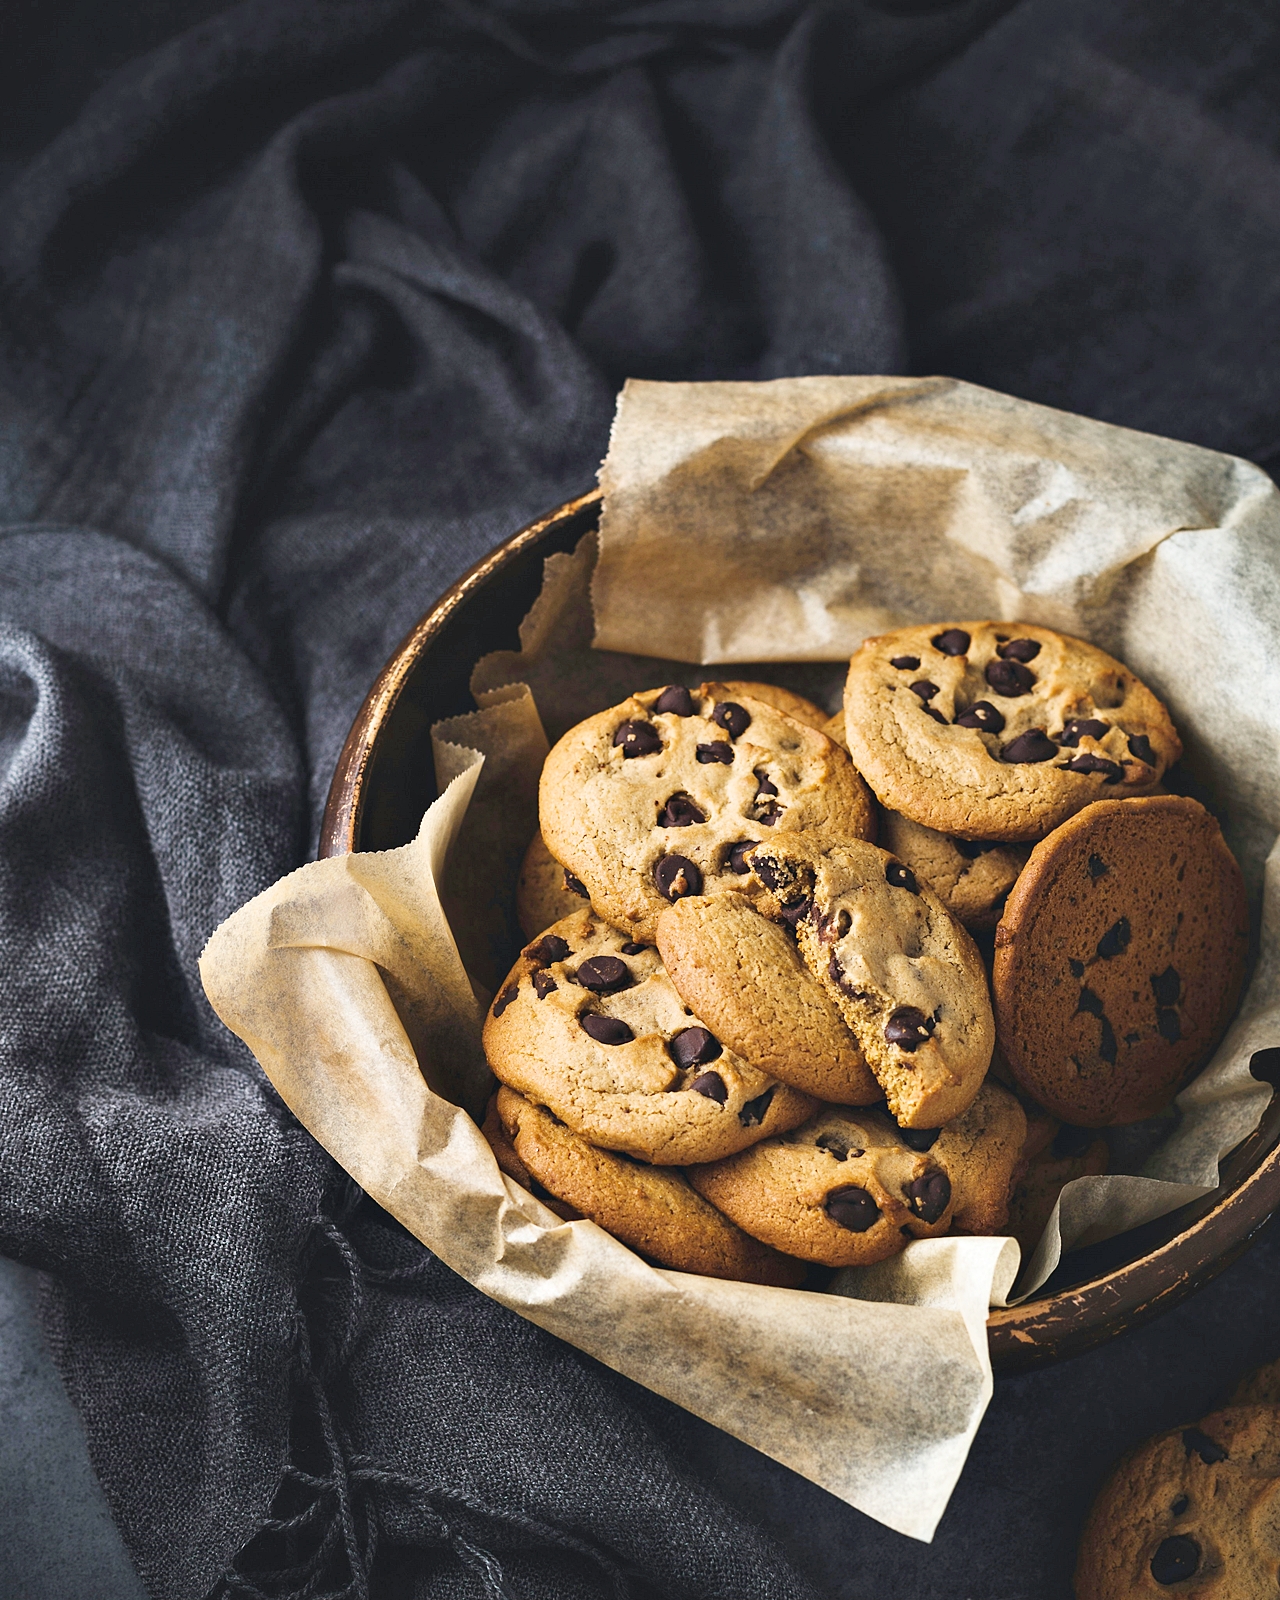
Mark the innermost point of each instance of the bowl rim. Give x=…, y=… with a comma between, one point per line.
x=1053, y=1327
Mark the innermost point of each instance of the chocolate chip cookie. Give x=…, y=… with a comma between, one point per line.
x=843, y=1190
x=906, y=978
x=999, y=730
x=545, y=892
x=970, y=877
x=1193, y=1511
x=787, y=701
x=656, y=799
x=1119, y=958
x=589, y=1025
x=651, y=1209
x=980, y=1151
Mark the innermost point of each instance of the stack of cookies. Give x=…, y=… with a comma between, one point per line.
x=746, y=1038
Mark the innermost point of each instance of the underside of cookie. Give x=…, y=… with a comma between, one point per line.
x=987, y=730
x=905, y=976
x=651, y=1209
x=589, y=1024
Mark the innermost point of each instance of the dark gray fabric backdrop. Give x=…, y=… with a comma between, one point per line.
x=304, y=304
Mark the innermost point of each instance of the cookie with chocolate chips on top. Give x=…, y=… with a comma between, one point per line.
x=970, y=877
x=652, y=1209
x=657, y=799
x=787, y=701
x=589, y=1025
x=1120, y=958
x=1000, y=731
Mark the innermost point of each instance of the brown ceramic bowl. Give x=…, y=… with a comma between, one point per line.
x=385, y=779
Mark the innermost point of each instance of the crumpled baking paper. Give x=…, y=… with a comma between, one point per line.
x=777, y=523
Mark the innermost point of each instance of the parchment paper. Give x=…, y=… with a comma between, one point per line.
x=885, y=500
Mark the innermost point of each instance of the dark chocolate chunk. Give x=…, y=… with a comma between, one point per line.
x=604, y=974
x=733, y=718
x=637, y=739
x=908, y=1028
x=768, y=873
x=710, y=754
x=551, y=947
x=834, y=927
x=736, y=860
x=1107, y=1044
x=505, y=999
x=1176, y=1558
x=1179, y=1505
x=694, y=1047
x=605, y=1030
x=952, y=642
x=676, y=699
x=901, y=877
x=753, y=1113
x=633, y=949
x=1167, y=987
x=930, y=1195
x=1086, y=761
x=768, y=813
x=763, y=783
x=679, y=812
x=920, y=1139
x=1010, y=678
x=1069, y=1141
x=676, y=877
x=1170, y=1028
x=1140, y=746
x=1077, y=968
x=936, y=715
x=1209, y=1450
x=544, y=984
x=834, y=1145
x=1115, y=941
x=1097, y=867
x=971, y=849
x=924, y=689
x=1033, y=745
x=712, y=1085
x=575, y=885
x=797, y=911
x=852, y=1208
x=981, y=714
x=1019, y=650
x=1082, y=728
x=905, y=663
x=1090, y=1002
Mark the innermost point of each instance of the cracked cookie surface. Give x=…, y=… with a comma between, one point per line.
x=995, y=730
x=1119, y=958
x=589, y=1025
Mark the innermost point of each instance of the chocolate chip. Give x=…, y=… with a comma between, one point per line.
x=754, y=1112
x=1209, y=1450
x=550, y=948
x=952, y=642
x=1097, y=868
x=1082, y=728
x=768, y=814
x=676, y=877
x=905, y=663
x=1033, y=745
x=919, y=1139
x=736, y=860
x=1179, y=1505
x=981, y=714
x=1176, y=1558
x=1010, y=678
x=679, y=812
x=768, y=872
x=633, y=949
x=637, y=739
x=604, y=974
x=1086, y=761
x=1168, y=1025
x=709, y=754
x=575, y=885
x=733, y=718
x=763, y=783
x=908, y=1028
x=1019, y=650
x=712, y=1085
x=544, y=984
x=924, y=689
x=797, y=911
x=971, y=849
x=936, y=715
x=694, y=1047
x=834, y=1145
x=1077, y=968
x=1069, y=1141
x=1107, y=1043
x=1167, y=987
x=1115, y=941
x=901, y=877
x=852, y=1208
x=505, y=999
x=1090, y=1002
x=676, y=699
x=930, y=1195
x=835, y=926
x=605, y=1030
x=1140, y=746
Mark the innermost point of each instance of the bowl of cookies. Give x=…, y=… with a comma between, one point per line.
x=804, y=962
